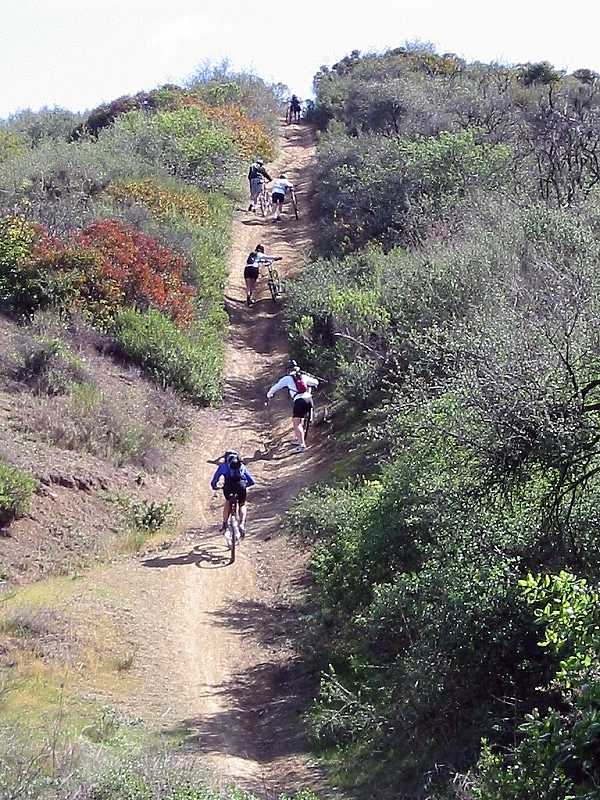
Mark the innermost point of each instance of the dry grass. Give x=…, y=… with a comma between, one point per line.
x=57, y=644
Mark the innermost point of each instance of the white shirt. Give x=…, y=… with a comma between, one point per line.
x=281, y=186
x=287, y=382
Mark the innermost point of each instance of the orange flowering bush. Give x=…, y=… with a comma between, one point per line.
x=147, y=274
x=36, y=271
x=162, y=202
x=102, y=268
x=250, y=136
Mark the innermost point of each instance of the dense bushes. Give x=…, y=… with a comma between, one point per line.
x=170, y=356
x=451, y=117
x=466, y=324
x=128, y=213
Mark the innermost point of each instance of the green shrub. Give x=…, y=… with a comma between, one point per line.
x=16, y=490
x=148, y=515
x=47, y=367
x=190, y=363
x=557, y=752
x=184, y=143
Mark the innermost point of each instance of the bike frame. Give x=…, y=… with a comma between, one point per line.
x=274, y=282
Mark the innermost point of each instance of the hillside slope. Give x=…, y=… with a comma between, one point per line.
x=211, y=649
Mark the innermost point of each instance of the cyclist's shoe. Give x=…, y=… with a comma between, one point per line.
x=249, y=300
x=250, y=207
x=300, y=449
x=242, y=532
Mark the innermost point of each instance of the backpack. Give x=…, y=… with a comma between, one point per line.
x=255, y=172
x=299, y=382
x=234, y=474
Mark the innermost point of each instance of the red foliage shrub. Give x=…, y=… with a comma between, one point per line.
x=147, y=274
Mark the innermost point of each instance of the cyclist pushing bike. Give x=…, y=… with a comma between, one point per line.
x=236, y=480
x=252, y=269
x=281, y=186
x=257, y=175
x=299, y=385
x=294, y=109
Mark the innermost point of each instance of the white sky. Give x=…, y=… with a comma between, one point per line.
x=78, y=53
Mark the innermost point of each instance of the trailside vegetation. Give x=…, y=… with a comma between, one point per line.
x=122, y=218
x=456, y=301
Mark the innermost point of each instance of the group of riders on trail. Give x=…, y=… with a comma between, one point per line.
x=257, y=177
x=236, y=476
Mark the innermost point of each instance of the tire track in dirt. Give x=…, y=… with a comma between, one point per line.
x=216, y=664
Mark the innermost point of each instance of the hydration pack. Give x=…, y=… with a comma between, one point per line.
x=299, y=382
x=235, y=474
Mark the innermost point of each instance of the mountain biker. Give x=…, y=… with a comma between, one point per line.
x=257, y=175
x=295, y=108
x=281, y=186
x=236, y=479
x=252, y=269
x=299, y=385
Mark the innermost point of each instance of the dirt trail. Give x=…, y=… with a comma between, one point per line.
x=216, y=662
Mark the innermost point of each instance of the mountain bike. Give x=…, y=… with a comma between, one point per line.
x=274, y=282
x=264, y=201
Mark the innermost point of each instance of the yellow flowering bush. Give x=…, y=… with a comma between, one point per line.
x=163, y=203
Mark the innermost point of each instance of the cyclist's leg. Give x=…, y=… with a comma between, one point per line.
x=255, y=189
x=250, y=287
x=298, y=428
x=226, y=508
x=243, y=509
x=278, y=208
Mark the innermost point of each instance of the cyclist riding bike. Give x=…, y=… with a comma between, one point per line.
x=252, y=270
x=295, y=109
x=257, y=176
x=236, y=480
x=281, y=186
x=299, y=385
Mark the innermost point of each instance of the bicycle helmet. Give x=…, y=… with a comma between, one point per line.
x=260, y=248
x=293, y=367
x=233, y=460
x=259, y=161
x=283, y=175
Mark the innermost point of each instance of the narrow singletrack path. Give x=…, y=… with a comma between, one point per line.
x=216, y=663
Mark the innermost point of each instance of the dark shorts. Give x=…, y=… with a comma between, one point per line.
x=251, y=272
x=277, y=197
x=301, y=407
x=238, y=489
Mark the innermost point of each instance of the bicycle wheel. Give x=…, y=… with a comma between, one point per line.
x=234, y=530
x=274, y=284
x=295, y=204
x=264, y=202
x=307, y=421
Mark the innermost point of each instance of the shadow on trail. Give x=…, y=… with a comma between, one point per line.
x=262, y=705
x=204, y=555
